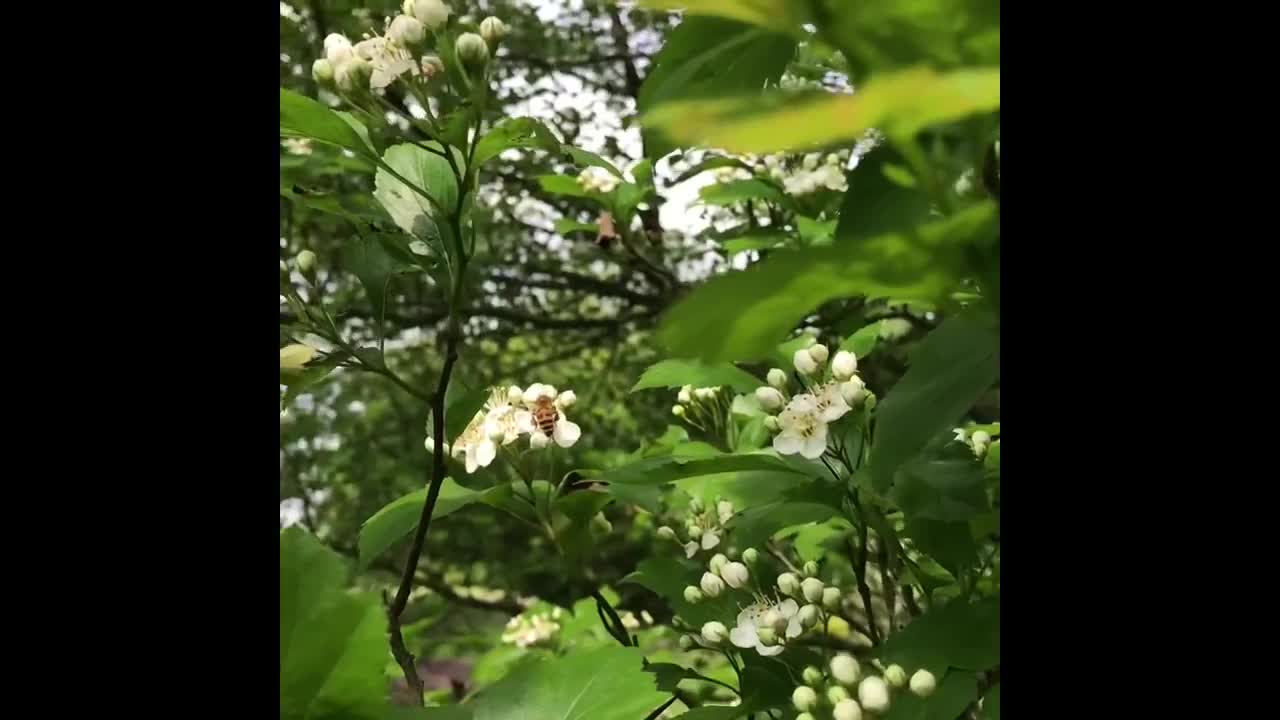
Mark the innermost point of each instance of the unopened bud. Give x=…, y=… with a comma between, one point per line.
x=724, y=510
x=712, y=585
x=895, y=676
x=810, y=569
x=306, y=262
x=432, y=66
x=322, y=72
x=847, y=709
x=804, y=362
x=293, y=357
x=836, y=693
x=771, y=423
x=695, y=505
x=768, y=636
x=805, y=716
x=812, y=676
x=472, y=50
x=493, y=30
x=923, y=683
x=853, y=390
x=352, y=75
x=601, y=523
x=687, y=642
x=777, y=378
x=837, y=627
x=407, y=32
x=819, y=353
x=714, y=632
x=808, y=616
x=773, y=619
x=804, y=698
x=789, y=584
x=844, y=668
x=750, y=556
x=873, y=694
x=666, y=533
x=831, y=598
x=769, y=398
x=677, y=410
x=685, y=396
x=695, y=531
x=567, y=399
x=432, y=13
x=736, y=574
x=717, y=563
x=692, y=594
x=844, y=365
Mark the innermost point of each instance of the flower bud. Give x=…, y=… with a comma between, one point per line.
x=306, y=262
x=715, y=632
x=736, y=574
x=804, y=362
x=871, y=400
x=819, y=353
x=808, y=616
x=493, y=30
x=844, y=668
x=812, y=676
x=835, y=694
x=895, y=676
x=712, y=585
x=686, y=642
x=352, y=75
x=804, y=698
x=677, y=410
x=810, y=569
x=724, y=510
x=923, y=683
x=432, y=66
x=296, y=355
x=407, y=32
x=567, y=399
x=853, y=390
x=777, y=378
x=810, y=162
x=690, y=549
x=837, y=627
x=695, y=505
x=750, y=556
x=472, y=50
x=844, y=365
x=694, y=531
x=768, y=636
x=789, y=584
x=692, y=594
x=980, y=439
x=771, y=423
x=704, y=393
x=666, y=533
x=873, y=694
x=831, y=598
x=769, y=398
x=335, y=40
x=847, y=709
x=515, y=394
x=718, y=561
x=538, y=440
x=684, y=396
x=432, y=13
x=322, y=72
x=600, y=523
x=805, y=716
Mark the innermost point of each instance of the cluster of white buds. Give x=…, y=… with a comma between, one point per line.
x=538, y=411
x=731, y=173
x=721, y=572
x=873, y=691
x=631, y=622
x=530, y=629
x=801, y=423
x=597, y=179
x=379, y=60
x=704, y=527
x=979, y=441
x=809, y=173
x=703, y=408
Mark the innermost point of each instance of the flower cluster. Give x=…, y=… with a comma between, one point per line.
x=704, y=526
x=537, y=411
x=532, y=628
x=845, y=675
x=597, y=179
x=801, y=423
x=977, y=440
x=815, y=172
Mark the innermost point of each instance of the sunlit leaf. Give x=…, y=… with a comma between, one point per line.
x=676, y=373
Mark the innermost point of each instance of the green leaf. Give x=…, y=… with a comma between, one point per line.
x=756, y=525
x=815, y=233
x=607, y=683
x=361, y=130
x=711, y=163
x=947, y=490
x=400, y=517
x=332, y=643
x=643, y=173
x=668, y=577
x=369, y=261
x=566, y=185
x=900, y=104
x=564, y=226
x=743, y=315
x=753, y=242
x=956, y=635
x=950, y=543
x=715, y=712
x=950, y=370
x=991, y=704
x=677, y=373
x=446, y=712
x=302, y=116
x=954, y=693
x=586, y=158
x=875, y=204
x=662, y=470
x=706, y=56
x=431, y=173
x=515, y=133
x=781, y=15
x=944, y=33
x=727, y=193
x=862, y=342
x=753, y=436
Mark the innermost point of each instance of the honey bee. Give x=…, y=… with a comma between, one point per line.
x=545, y=415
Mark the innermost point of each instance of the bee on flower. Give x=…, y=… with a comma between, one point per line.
x=544, y=419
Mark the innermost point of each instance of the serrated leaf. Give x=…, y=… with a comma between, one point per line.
x=332, y=642
x=950, y=370
x=515, y=133
x=955, y=691
x=956, y=635
x=862, y=342
x=400, y=517
x=754, y=526
x=302, y=116
x=431, y=173
x=586, y=158
x=947, y=490
x=899, y=104
x=677, y=373
x=743, y=315
x=727, y=193
x=369, y=261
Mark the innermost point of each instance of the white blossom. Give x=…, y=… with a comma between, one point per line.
x=831, y=403
x=804, y=698
x=750, y=621
x=844, y=365
x=432, y=13
x=407, y=31
x=847, y=709
x=724, y=510
x=711, y=584
x=801, y=430
x=690, y=549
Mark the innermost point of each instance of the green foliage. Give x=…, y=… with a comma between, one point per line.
x=676, y=373
x=400, y=517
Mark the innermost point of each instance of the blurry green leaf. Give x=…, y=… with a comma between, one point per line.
x=811, y=540
x=608, y=683
x=564, y=226
x=668, y=577
x=676, y=373
x=445, y=712
x=728, y=193
x=955, y=691
x=753, y=242
x=643, y=173
x=944, y=33
x=411, y=211
x=874, y=204
x=586, y=158
x=948, y=490
x=662, y=470
x=400, y=517
x=784, y=355
x=815, y=233
x=743, y=315
x=515, y=133
x=950, y=543
x=900, y=104
x=753, y=435
x=565, y=185
x=361, y=130
x=332, y=643
x=711, y=162
x=862, y=342
x=956, y=635
x=302, y=116
x=781, y=15
x=297, y=382
x=950, y=369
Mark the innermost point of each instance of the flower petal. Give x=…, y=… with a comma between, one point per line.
x=709, y=540
x=566, y=433
x=788, y=608
x=471, y=460
x=690, y=549
x=524, y=421
x=793, y=628
x=744, y=636
x=769, y=651
x=787, y=444
x=814, y=446
x=486, y=452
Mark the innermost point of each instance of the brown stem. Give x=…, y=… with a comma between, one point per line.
x=398, y=649
x=860, y=569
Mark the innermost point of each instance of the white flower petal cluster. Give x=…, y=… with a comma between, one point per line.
x=597, y=179
x=532, y=628
x=801, y=425
x=778, y=618
x=379, y=60
x=538, y=412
